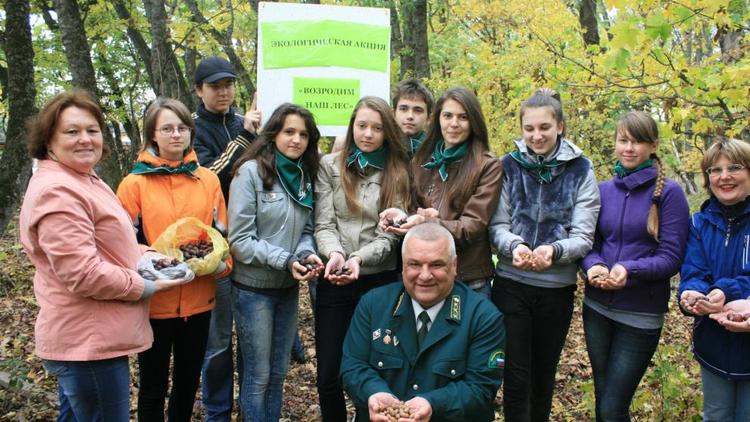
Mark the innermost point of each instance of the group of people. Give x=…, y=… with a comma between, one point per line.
x=399, y=228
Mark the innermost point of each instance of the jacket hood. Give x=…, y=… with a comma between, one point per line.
x=564, y=151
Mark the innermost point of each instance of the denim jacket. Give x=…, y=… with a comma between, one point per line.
x=266, y=227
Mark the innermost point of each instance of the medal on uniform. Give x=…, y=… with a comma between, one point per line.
x=387, y=337
x=395, y=341
x=376, y=334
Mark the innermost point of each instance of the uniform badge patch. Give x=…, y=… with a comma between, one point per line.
x=497, y=359
x=376, y=334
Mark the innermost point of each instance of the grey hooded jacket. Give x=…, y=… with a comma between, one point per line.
x=561, y=213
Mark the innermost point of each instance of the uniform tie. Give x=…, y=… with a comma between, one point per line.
x=424, y=318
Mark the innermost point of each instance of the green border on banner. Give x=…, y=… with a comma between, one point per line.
x=331, y=101
x=325, y=43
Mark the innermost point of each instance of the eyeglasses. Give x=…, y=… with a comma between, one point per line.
x=169, y=130
x=732, y=169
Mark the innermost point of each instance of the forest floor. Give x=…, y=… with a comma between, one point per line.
x=670, y=390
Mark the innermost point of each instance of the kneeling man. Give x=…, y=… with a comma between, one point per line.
x=430, y=342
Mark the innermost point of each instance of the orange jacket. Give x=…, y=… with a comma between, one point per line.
x=161, y=199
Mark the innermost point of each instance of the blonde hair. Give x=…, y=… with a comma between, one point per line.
x=642, y=128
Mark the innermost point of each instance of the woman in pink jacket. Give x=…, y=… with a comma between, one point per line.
x=93, y=308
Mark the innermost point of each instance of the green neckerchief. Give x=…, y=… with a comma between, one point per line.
x=622, y=171
x=415, y=142
x=374, y=159
x=292, y=177
x=543, y=169
x=441, y=157
x=188, y=168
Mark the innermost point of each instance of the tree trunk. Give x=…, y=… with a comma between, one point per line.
x=415, y=60
x=168, y=77
x=15, y=164
x=141, y=46
x=78, y=53
x=588, y=20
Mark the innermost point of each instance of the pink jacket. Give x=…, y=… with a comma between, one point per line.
x=83, y=246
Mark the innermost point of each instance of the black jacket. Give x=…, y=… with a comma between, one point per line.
x=219, y=140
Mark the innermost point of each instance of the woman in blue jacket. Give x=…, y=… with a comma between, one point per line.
x=271, y=239
x=716, y=272
x=544, y=224
x=639, y=243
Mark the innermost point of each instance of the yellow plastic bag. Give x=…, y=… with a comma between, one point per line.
x=186, y=230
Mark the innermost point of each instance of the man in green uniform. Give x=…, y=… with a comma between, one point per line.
x=430, y=342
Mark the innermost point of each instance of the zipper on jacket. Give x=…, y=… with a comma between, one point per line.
x=622, y=217
x=538, y=214
x=728, y=233
x=224, y=123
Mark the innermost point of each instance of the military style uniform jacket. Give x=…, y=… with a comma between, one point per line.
x=459, y=369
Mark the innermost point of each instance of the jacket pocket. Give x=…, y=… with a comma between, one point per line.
x=272, y=213
x=450, y=368
x=382, y=361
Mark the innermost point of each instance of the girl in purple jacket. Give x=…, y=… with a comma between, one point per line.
x=639, y=244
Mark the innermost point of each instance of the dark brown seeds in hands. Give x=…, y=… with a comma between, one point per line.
x=397, y=222
x=693, y=300
x=196, y=249
x=160, y=264
x=396, y=411
x=737, y=317
x=342, y=271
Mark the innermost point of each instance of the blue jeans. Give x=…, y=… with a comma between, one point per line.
x=217, y=365
x=266, y=324
x=725, y=400
x=619, y=357
x=97, y=390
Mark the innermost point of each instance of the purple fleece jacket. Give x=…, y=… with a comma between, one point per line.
x=622, y=238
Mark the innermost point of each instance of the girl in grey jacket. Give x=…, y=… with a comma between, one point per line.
x=544, y=224
x=271, y=240
x=354, y=185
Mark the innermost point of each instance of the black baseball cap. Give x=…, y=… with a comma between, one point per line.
x=212, y=69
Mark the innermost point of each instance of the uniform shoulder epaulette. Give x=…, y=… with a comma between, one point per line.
x=455, y=311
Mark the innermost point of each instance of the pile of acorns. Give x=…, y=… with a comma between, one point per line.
x=692, y=300
x=527, y=257
x=311, y=267
x=196, y=249
x=160, y=264
x=601, y=278
x=396, y=411
x=342, y=271
x=737, y=317
x=396, y=223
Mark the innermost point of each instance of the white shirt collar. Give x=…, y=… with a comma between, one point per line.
x=432, y=312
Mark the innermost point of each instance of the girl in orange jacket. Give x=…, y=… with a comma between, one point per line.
x=166, y=185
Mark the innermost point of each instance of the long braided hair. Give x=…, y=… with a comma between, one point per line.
x=643, y=128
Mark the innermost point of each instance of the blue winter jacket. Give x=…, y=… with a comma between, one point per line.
x=717, y=258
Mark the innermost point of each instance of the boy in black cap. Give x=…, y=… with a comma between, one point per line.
x=221, y=136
